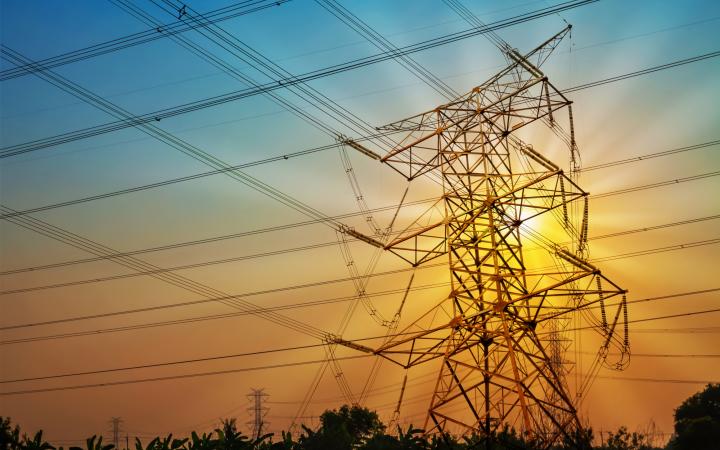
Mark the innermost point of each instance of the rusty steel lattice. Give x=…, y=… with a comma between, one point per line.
x=497, y=333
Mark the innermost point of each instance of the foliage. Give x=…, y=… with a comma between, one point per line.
x=9, y=436
x=346, y=428
x=697, y=427
x=93, y=444
x=622, y=440
x=697, y=421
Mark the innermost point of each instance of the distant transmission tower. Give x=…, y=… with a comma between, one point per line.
x=115, y=430
x=498, y=336
x=258, y=410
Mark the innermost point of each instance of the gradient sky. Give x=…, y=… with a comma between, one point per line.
x=651, y=113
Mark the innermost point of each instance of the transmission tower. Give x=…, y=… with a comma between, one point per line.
x=115, y=430
x=257, y=397
x=499, y=335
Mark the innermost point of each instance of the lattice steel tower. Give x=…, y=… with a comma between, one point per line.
x=258, y=411
x=497, y=331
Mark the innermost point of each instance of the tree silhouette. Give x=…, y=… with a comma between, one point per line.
x=623, y=440
x=94, y=443
x=697, y=421
x=36, y=442
x=9, y=436
x=345, y=428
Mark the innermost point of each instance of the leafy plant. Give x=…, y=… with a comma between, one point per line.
x=94, y=443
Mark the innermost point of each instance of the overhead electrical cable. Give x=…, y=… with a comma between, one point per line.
x=195, y=319
x=164, y=364
x=296, y=305
x=665, y=355
x=647, y=156
x=176, y=377
x=331, y=108
x=142, y=37
x=654, y=185
x=382, y=44
x=658, y=380
x=328, y=147
x=303, y=304
x=202, y=241
x=646, y=319
x=637, y=73
x=265, y=309
x=174, y=279
x=263, y=65
x=274, y=366
x=173, y=141
x=200, y=156
x=155, y=116
x=191, y=151
x=652, y=228
x=213, y=17
x=158, y=270
x=159, y=115
x=301, y=224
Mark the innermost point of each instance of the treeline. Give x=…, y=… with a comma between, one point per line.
x=345, y=428
x=697, y=427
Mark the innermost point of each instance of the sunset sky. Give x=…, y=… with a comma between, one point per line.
x=264, y=251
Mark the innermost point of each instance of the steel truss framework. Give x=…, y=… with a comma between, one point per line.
x=496, y=334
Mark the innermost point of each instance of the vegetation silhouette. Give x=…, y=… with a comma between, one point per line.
x=697, y=421
x=697, y=427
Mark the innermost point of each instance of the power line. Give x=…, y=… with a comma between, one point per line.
x=123, y=42
x=255, y=60
x=185, y=320
x=637, y=73
x=665, y=297
x=158, y=270
x=293, y=364
x=662, y=355
x=163, y=364
x=177, y=377
x=657, y=250
x=213, y=101
x=189, y=150
x=652, y=228
x=176, y=143
x=235, y=95
x=301, y=224
x=204, y=240
x=673, y=316
x=381, y=43
x=649, y=156
x=656, y=380
x=683, y=330
x=287, y=156
x=177, y=280
x=12, y=214
x=647, y=319
x=287, y=82
x=237, y=314
x=207, y=263
x=171, y=140
x=172, y=181
x=654, y=185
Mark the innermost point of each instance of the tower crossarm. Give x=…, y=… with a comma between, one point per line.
x=532, y=60
x=527, y=197
x=485, y=115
